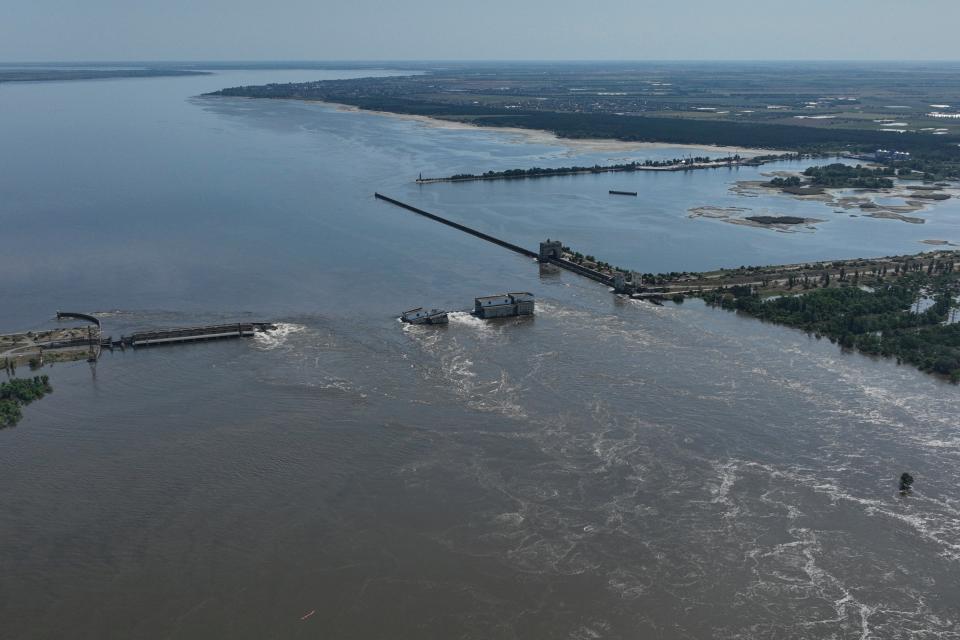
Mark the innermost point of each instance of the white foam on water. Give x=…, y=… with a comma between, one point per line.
x=940, y=526
x=426, y=335
x=483, y=328
x=727, y=473
x=276, y=338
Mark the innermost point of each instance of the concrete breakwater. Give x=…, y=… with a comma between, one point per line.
x=551, y=258
x=456, y=225
x=78, y=316
x=769, y=280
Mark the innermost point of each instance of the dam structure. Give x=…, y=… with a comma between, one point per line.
x=504, y=305
x=458, y=226
x=192, y=334
x=551, y=252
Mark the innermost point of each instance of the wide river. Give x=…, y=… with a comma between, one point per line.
x=607, y=469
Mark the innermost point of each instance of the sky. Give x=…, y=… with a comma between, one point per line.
x=100, y=30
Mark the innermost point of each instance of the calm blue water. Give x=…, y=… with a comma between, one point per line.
x=607, y=469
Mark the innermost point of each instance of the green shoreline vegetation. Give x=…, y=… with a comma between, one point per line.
x=16, y=393
x=789, y=106
x=697, y=162
x=881, y=320
x=841, y=176
x=624, y=128
x=901, y=306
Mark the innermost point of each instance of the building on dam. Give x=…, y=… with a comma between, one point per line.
x=504, y=305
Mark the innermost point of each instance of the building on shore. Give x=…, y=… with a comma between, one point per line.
x=890, y=155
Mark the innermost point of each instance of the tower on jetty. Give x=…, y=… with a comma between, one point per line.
x=550, y=249
x=631, y=282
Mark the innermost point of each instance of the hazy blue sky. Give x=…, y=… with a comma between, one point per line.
x=43, y=30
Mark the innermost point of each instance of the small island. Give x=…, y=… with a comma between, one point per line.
x=777, y=219
x=836, y=176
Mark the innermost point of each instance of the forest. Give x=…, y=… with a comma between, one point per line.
x=790, y=107
x=907, y=318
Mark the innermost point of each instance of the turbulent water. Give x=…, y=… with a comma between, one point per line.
x=605, y=469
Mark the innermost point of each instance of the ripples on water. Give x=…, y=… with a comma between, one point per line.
x=605, y=469
x=668, y=495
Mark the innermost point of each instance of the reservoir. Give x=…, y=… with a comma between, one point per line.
x=604, y=469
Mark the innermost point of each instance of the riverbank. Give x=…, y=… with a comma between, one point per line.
x=774, y=280
x=543, y=136
x=37, y=348
x=911, y=317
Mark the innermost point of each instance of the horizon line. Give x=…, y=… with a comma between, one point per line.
x=154, y=61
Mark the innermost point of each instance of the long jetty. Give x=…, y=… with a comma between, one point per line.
x=78, y=316
x=461, y=227
x=560, y=262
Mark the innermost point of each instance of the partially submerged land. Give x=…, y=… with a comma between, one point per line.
x=66, y=344
x=36, y=348
x=844, y=188
x=793, y=107
x=885, y=318
x=16, y=393
x=817, y=179
x=775, y=280
x=736, y=215
x=900, y=306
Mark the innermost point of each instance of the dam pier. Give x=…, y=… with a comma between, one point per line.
x=550, y=252
x=64, y=344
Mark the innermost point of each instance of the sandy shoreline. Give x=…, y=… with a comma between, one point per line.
x=540, y=136
x=735, y=215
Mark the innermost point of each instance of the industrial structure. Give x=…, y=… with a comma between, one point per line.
x=425, y=316
x=504, y=305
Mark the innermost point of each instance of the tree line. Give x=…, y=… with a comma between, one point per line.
x=388, y=95
x=18, y=392
x=884, y=320
x=538, y=172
